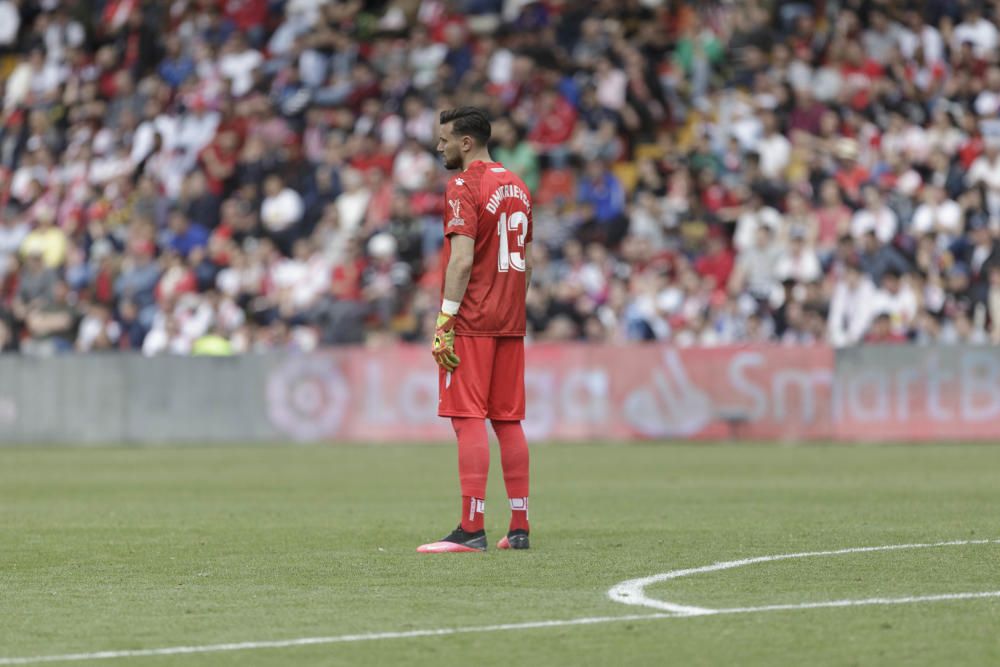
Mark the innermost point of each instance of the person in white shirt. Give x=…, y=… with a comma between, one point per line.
x=897, y=299
x=13, y=231
x=165, y=338
x=798, y=262
x=987, y=102
x=425, y=57
x=985, y=170
x=300, y=279
x=238, y=62
x=197, y=129
x=878, y=39
x=611, y=85
x=977, y=29
x=919, y=35
x=413, y=167
x=774, y=149
x=10, y=23
x=501, y=63
x=282, y=206
x=419, y=121
x=942, y=135
x=61, y=33
x=755, y=215
x=33, y=77
x=352, y=204
x=851, y=311
x=874, y=216
x=938, y=215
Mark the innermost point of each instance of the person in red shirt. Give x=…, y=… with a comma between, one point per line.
x=556, y=122
x=881, y=332
x=718, y=260
x=219, y=160
x=479, y=339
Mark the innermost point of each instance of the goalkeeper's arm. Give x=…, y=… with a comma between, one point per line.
x=458, y=271
x=456, y=280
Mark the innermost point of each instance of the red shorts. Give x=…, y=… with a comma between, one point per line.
x=489, y=381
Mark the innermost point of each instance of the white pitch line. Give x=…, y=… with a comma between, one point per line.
x=441, y=632
x=623, y=589
x=312, y=641
x=633, y=591
x=856, y=603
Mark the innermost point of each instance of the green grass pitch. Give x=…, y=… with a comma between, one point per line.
x=117, y=549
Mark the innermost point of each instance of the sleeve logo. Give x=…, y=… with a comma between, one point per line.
x=456, y=207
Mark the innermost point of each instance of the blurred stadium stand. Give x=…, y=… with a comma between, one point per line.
x=224, y=176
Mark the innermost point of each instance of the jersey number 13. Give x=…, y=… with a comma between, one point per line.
x=511, y=259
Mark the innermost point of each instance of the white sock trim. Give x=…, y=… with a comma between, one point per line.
x=476, y=506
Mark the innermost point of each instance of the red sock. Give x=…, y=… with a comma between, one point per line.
x=473, y=468
x=514, y=459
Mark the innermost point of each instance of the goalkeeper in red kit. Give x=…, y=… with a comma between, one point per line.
x=479, y=338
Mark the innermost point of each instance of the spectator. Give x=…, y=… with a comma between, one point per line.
x=938, y=215
x=47, y=240
x=385, y=280
x=798, y=262
x=181, y=235
x=515, y=153
x=138, y=279
x=896, y=298
x=98, y=330
x=10, y=24
x=50, y=325
x=877, y=258
x=774, y=149
x=756, y=267
x=281, y=210
x=13, y=231
x=353, y=201
x=851, y=307
x=874, y=217
x=882, y=332
x=413, y=168
x=755, y=215
x=977, y=30
x=603, y=193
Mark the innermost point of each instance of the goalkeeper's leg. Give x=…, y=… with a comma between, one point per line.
x=463, y=399
x=505, y=409
x=514, y=458
x=473, y=469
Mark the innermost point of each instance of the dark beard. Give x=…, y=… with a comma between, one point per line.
x=452, y=164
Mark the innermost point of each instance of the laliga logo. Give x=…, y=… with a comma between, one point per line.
x=307, y=398
x=456, y=216
x=672, y=407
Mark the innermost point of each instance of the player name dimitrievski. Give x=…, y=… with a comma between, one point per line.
x=506, y=192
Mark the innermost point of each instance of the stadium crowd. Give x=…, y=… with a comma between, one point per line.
x=219, y=176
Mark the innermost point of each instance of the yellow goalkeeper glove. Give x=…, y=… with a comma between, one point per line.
x=443, y=348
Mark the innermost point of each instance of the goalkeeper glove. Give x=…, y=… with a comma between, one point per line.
x=443, y=348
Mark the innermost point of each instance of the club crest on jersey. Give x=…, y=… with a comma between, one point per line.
x=456, y=207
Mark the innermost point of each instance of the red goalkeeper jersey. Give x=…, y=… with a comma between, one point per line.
x=490, y=204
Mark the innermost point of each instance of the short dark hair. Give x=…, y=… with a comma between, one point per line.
x=471, y=121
